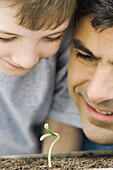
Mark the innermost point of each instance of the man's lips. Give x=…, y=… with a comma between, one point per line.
x=97, y=115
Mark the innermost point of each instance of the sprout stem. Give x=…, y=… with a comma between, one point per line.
x=50, y=134
x=51, y=147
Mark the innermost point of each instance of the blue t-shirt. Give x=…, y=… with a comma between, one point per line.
x=89, y=145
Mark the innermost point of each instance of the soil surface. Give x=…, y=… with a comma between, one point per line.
x=78, y=162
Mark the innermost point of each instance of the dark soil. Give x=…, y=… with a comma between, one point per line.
x=74, y=161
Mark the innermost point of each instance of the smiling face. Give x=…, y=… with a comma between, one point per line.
x=20, y=48
x=90, y=80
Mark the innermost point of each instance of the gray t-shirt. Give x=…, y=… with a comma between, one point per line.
x=28, y=100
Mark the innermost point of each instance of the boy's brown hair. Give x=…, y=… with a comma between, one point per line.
x=42, y=14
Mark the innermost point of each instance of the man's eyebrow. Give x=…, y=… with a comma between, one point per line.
x=78, y=44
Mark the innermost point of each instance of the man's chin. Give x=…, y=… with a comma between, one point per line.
x=99, y=135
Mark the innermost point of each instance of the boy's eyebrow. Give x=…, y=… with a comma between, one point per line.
x=78, y=44
x=61, y=31
x=8, y=33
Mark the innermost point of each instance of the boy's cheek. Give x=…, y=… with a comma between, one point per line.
x=4, y=51
x=49, y=51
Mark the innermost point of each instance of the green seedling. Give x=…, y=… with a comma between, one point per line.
x=46, y=135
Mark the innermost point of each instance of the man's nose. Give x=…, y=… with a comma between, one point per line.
x=101, y=85
x=27, y=57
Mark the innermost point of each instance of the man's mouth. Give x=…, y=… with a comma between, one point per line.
x=102, y=112
x=100, y=115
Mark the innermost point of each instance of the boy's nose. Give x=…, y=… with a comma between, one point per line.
x=100, y=88
x=26, y=58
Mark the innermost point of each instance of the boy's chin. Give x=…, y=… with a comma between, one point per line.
x=16, y=72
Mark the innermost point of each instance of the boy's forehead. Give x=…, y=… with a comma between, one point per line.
x=9, y=22
x=8, y=13
x=41, y=16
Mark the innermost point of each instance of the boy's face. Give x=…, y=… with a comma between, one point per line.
x=90, y=80
x=20, y=48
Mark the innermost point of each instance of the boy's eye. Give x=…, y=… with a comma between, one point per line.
x=50, y=39
x=5, y=40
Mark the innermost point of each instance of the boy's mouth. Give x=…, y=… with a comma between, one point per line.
x=14, y=66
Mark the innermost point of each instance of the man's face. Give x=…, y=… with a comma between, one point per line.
x=90, y=80
x=20, y=48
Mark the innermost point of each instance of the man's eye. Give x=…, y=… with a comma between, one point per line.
x=54, y=39
x=5, y=40
x=85, y=57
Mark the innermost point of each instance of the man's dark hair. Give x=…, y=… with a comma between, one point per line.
x=101, y=12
